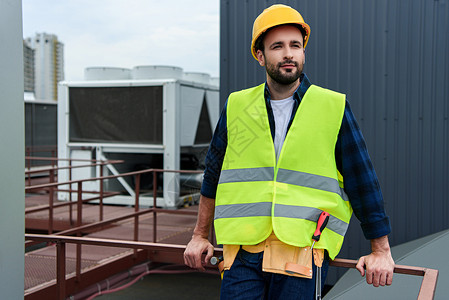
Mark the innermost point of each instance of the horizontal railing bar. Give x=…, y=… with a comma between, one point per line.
x=73, y=167
x=75, y=191
x=63, y=159
x=400, y=269
x=338, y=262
x=103, y=223
x=176, y=212
x=109, y=242
x=121, y=218
x=100, y=224
x=41, y=186
x=428, y=285
x=84, y=192
x=51, y=147
x=409, y=270
x=30, y=210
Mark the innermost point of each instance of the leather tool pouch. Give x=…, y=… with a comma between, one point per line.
x=282, y=258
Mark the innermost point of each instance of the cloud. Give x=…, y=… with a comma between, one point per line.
x=124, y=33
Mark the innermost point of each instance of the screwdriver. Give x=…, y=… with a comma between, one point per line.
x=320, y=225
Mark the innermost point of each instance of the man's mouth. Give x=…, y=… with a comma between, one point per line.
x=288, y=65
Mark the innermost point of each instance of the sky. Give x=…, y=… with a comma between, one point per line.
x=129, y=33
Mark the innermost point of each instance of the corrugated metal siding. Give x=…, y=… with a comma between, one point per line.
x=391, y=58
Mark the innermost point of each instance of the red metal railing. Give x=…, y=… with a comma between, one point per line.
x=32, y=150
x=52, y=173
x=427, y=290
x=161, y=251
x=53, y=168
x=80, y=201
x=79, y=229
x=428, y=284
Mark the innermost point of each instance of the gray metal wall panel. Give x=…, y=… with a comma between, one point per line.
x=391, y=58
x=12, y=162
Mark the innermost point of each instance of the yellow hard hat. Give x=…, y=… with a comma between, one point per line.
x=275, y=15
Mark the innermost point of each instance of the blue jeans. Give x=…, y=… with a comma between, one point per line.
x=246, y=280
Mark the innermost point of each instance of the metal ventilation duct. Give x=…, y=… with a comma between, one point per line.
x=197, y=77
x=215, y=81
x=157, y=72
x=106, y=73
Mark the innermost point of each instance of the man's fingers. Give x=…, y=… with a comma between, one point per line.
x=389, y=278
x=383, y=279
x=194, y=251
x=379, y=267
x=186, y=262
x=361, y=266
x=376, y=278
x=369, y=277
x=195, y=262
x=210, y=252
x=199, y=264
x=186, y=258
x=189, y=260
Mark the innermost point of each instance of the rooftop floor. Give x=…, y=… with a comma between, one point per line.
x=40, y=264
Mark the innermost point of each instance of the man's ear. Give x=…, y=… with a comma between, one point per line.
x=260, y=58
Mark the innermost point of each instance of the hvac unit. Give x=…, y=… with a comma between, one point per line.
x=164, y=123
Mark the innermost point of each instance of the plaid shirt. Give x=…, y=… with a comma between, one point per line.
x=352, y=158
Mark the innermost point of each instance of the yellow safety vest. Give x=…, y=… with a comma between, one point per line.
x=256, y=195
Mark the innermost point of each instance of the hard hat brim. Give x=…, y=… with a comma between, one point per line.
x=277, y=15
x=305, y=32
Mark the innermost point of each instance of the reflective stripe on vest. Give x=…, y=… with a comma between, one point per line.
x=311, y=181
x=245, y=175
x=286, y=211
x=286, y=176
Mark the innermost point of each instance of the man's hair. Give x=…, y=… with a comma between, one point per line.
x=258, y=45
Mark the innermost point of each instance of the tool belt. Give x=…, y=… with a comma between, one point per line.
x=278, y=257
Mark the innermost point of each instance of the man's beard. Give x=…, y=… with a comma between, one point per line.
x=289, y=77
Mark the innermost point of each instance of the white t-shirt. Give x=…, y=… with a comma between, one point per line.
x=282, y=111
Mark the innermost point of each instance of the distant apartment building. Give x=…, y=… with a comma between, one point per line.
x=28, y=66
x=48, y=65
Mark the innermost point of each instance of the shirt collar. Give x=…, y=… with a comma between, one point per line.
x=300, y=91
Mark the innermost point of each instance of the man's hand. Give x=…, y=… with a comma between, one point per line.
x=199, y=242
x=379, y=264
x=194, y=250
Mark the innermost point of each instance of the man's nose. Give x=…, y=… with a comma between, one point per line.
x=288, y=53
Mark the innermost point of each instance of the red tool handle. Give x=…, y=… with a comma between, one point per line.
x=321, y=224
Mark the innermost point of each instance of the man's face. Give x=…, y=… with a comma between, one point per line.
x=284, y=54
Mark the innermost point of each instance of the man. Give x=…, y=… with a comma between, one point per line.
x=282, y=153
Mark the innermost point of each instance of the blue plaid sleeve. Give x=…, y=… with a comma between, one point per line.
x=214, y=157
x=360, y=179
